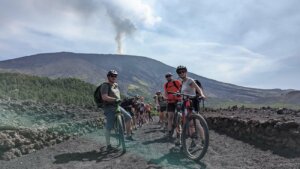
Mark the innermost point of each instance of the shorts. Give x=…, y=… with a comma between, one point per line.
x=110, y=114
x=196, y=105
x=171, y=107
x=141, y=112
x=162, y=109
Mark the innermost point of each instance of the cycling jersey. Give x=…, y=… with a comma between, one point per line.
x=172, y=86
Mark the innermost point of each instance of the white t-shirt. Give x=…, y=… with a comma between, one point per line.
x=187, y=87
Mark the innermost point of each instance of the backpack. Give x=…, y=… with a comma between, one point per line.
x=98, y=96
x=174, y=83
x=199, y=84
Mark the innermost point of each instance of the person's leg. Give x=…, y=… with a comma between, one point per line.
x=171, y=110
x=128, y=118
x=110, y=117
x=162, y=117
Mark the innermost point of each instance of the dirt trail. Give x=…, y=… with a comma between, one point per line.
x=150, y=150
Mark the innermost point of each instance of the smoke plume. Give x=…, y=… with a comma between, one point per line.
x=124, y=27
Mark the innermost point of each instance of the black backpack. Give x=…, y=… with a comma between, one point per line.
x=98, y=96
x=199, y=84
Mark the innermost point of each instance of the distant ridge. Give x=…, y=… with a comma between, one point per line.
x=137, y=75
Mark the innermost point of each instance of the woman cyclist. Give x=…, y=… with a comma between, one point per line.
x=189, y=87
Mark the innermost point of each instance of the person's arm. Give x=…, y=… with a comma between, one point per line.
x=156, y=100
x=165, y=90
x=198, y=89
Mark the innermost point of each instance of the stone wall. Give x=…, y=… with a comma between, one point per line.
x=15, y=142
x=272, y=134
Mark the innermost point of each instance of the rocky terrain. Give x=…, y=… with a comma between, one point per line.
x=36, y=135
x=150, y=150
x=268, y=128
x=26, y=126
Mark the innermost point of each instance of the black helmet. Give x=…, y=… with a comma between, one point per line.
x=168, y=74
x=180, y=67
x=112, y=72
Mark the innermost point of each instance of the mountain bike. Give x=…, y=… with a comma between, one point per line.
x=195, y=133
x=117, y=134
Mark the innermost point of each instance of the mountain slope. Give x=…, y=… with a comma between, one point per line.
x=136, y=75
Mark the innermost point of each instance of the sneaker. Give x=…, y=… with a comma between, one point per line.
x=178, y=142
x=192, y=144
x=194, y=135
x=170, y=134
x=109, y=148
x=129, y=138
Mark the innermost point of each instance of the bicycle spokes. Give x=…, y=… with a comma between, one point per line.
x=195, y=137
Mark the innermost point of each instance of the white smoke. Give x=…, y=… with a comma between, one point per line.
x=77, y=20
x=123, y=27
x=123, y=15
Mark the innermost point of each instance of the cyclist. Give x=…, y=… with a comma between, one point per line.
x=111, y=98
x=148, y=112
x=128, y=105
x=162, y=106
x=189, y=87
x=141, y=110
x=171, y=86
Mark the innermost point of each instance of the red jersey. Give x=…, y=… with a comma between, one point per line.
x=172, y=86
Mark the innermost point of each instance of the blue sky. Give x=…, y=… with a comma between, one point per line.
x=253, y=43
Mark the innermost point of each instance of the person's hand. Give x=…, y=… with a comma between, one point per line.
x=118, y=101
x=201, y=96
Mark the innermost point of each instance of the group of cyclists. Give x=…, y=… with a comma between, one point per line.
x=136, y=112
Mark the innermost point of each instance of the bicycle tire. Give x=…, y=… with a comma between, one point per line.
x=186, y=135
x=117, y=135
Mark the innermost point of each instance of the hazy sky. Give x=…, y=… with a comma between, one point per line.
x=253, y=43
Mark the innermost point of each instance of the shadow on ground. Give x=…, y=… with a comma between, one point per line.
x=177, y=158
x=99, y=156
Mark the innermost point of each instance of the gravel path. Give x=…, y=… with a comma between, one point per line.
x=150, y=150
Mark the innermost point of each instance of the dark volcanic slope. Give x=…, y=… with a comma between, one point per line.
x=135, y=71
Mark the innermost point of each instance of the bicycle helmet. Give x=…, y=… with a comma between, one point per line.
x=112, y=72
x=168, y=74
x=180, y=67
x=158, y=92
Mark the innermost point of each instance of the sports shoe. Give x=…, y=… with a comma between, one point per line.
x=129, y=138
x=178, y=142
x=170, y=134
x=192, y=144
x=194, y=135
x=109, y=148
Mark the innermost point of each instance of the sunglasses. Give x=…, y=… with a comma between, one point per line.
x=168, y=76
x=180, y=72
x=114, y=76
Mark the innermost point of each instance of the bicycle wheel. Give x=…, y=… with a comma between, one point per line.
x=117, y=135
x=195, y=137
x=176, y=126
